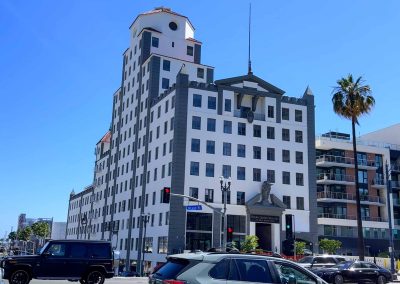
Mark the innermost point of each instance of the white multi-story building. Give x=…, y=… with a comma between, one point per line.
x=174, y=126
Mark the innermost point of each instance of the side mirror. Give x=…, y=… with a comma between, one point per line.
x=292, y=279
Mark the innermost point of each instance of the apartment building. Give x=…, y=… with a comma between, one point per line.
x=174, y=126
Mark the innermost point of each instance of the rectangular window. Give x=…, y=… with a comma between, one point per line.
x=241, y=128
x=299, y=136
x=165, y=127
x=194, y=168
x=241, y=150
x=271, y=154
x=286, y=177
x=166, y=65
x=196, y=122
x=299, y=157
x=285, y=113
x=271, y=111
x=226, y=150
x=165, y=83
x=209, y=195
x=189, y=50
x=257, y=152
x=286, y=156
x=256, y=174
x=286, y=201
x=212, y=102
x=195, y=145
x=154, y=41
x=298, y=115
x=210, y=147
x=299, y=179
x=227, y=127
x=200, y=73
x=271, y=176
x=256, y=130
x=162, y=242
x=228, y=105
x=241, y=173
x=209, y=170
x=226, y=171
x=300, y=203
x=240, y=198
x=285, y=134
x=196, y=100
x=211, y=124
x=194, y=192
x=270, y=132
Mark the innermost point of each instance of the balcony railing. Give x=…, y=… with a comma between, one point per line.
x=335, y=177
x=344, y=160
x=243, y=114
x=378, y=182
x=349, y=217
x=349, y=196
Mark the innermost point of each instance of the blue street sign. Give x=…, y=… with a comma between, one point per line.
x=194, y=207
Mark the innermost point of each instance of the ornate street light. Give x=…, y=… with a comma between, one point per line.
x=225, y=187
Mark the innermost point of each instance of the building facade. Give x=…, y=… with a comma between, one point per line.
x=337, y=215
x=174, y=126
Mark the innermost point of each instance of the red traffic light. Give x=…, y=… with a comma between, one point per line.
x=230, y=230
x=167, y=189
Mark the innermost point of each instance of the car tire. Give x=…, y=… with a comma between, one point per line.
x=82, y=281
x=381, y=279
x=20, y=277
x=95, y=277
x=338, y=279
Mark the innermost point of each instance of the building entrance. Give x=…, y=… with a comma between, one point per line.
x=263, y=232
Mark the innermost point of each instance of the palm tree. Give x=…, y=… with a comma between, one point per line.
x=351, y=99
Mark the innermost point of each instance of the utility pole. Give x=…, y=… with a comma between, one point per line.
x=389, y=208
x=225, y=187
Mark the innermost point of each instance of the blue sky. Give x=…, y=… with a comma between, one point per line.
x=60, y=62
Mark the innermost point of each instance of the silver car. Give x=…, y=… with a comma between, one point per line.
x=224, y=268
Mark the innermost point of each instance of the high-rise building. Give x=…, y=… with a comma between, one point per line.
x=336, y=192
x=174, y=126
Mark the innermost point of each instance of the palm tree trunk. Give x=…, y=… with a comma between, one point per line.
x=358, y=203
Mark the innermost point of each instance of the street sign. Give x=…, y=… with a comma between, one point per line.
x=194, y=207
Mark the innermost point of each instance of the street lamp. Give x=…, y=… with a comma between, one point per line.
x=145, y=218
x=225, y=187
x=391, y=243
x=84, y=223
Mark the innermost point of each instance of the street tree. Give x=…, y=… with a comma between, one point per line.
x=330, y=246
x=250, y=243
x=351, y=99
x=300, y=247
x=41, y=230
x=24, y=234
x=12, y=236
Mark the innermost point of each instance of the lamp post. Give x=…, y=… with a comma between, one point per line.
x=84, y=223
x=145, y=219
x=391, y=243
x=225, y=187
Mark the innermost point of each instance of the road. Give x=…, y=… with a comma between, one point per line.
x=116, y=280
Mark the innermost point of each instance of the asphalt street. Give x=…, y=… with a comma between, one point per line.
x=115, y=280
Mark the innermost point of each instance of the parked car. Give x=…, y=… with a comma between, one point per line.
x=210, y=268
x=86, y=261
x=354, y=271
x=128, y=274
x=320, y=261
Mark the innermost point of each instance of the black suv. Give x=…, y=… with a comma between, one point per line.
x=86, y=261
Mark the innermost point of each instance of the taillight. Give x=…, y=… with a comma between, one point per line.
x=171, y=281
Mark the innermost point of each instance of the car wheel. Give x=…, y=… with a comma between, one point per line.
x=381, y=279
x=20, y=277
x=82, y=281
x=95, y=277
x=338, y=279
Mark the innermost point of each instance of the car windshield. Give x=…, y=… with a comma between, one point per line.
x=343, y=265
x=43, y=248
x=307, y=259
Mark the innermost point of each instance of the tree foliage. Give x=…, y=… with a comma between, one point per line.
x=41, y=229
x=12, y=236
x=250, y=243
x=330, y=246
x=300, y=247
x=24, y=234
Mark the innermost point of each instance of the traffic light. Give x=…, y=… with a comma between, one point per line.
x=229, y=235
x=288, y=247
x=166, y=193
x=289, y=226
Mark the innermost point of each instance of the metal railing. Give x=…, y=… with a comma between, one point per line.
x=350, y=217
x=345, y=160
x=336, y=177
x=376, y=181
x=349, y=196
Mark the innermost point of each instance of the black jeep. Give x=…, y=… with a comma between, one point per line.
x=86, y=261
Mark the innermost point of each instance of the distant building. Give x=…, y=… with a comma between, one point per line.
x=58, y=230
x=23, y=221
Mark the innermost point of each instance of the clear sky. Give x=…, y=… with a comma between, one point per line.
x=60, y=62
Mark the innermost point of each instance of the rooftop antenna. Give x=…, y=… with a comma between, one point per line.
x=249, y=60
